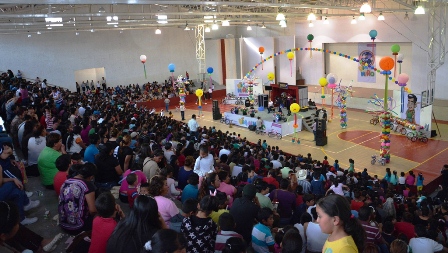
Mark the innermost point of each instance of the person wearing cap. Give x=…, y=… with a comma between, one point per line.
x=301, y=177
x=245, y=211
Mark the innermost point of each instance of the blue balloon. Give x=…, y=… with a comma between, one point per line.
x=332, y=80
x=373, y=34
x=171, y=67
x=209, y=70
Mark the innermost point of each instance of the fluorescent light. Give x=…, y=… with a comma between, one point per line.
x=207, y=29
x=112, y=23
x=115, y=18
x=249, y=28
x=362, y=17
x=326, y=22
x=55, y=25
x=311, y=24
x=280, y=16
x=209, y=18
x=365, y=8
x=109, y=18
x=420, y=10
x=354, y=21
x=92, y=30
x=39, y=32
x=311, y=16
x=162, y=19
x=215, y=26
x=76, y=33
x=225, y=22
x=158, y=31
x=29, y=35
x=115, y=25
x=381, y=17
x=53, y=20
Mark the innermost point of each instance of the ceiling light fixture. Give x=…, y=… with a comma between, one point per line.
x=215, y=26
x=162, y=19
x=207, y=29
x=101, y=10
x=29, y=35
x=263, y=26
x=38, y=32
x=311, y=16
x=365, y=8
x=311, y=24
x=92, y=30
x=420, y=10
x=225, y=22
x=381, y=17
x=109, y=18
x=115, y=18
x=354, y=21
x=158, y=31
x=283, y=24
x=76, y=33
x=280, y=16
x=186, y=27
x=249, y=28
x=406, y=16
x=362, y=17
x=326, y=22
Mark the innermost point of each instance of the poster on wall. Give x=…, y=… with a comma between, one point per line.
x=412, y=104
x=366, y=55
x=241, y=90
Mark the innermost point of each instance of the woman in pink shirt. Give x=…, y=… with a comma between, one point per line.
x=158, y=188
x=410, y=179
x=226, y=187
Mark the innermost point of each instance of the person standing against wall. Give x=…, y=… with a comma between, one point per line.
x=167, y=103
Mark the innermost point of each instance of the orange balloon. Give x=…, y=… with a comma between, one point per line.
x=261, y=50
x=386, y=63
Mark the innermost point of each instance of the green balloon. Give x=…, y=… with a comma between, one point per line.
x=310, y=37
x=395, y=48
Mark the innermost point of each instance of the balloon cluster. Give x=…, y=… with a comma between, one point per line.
x=407, y=124
x=323, y=82
x=341, y=103
x=378, y=104
x=300, y=49
x=385, y=135
x=332, y=79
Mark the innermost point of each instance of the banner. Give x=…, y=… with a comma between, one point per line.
x=366, y=52
x=241, y=89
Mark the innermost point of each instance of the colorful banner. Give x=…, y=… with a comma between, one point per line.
x=366, y=52
x=241, y=89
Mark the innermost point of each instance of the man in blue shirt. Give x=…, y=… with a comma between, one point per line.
x=92, y=149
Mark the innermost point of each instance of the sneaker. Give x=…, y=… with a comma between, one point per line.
x=52, y=245
x=31, y=205
x=28, y=221
x=29, y=194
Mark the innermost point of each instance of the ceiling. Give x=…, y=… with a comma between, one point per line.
x=89, y=15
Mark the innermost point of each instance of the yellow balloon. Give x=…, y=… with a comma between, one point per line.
x=294, y=108
x=199, y=92
x=290, y=55
x=271, y=76
x=323, y=82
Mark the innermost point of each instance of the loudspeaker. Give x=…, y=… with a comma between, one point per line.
x=433, y=133
x=252, y=127
x=321, y=141
x=260, y=100
x=321, y=125
x=215, y=104
x=217, y=116
x=265, y=101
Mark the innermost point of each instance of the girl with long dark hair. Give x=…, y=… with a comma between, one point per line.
x=74, y=141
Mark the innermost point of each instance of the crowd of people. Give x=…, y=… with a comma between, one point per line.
x=192, y=188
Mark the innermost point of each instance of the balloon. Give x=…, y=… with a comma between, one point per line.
x=290, y=55
x=373, y=34
x=209, y=70
x=143, y=58
x=403, y=78
x=400, y=58
x=294, y=108
x=395, y=49
x=386, y=63
x=261, y=50
x=332, y=85
x=199, y=92
x=323, y=82
x=310, y=37
x=171, y=67
x=271, y=76
x=332, y=78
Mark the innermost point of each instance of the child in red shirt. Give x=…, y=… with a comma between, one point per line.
x=104, y=223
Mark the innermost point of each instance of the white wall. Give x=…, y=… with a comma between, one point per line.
x=282, y=62
x=94, y=74
x=250, y=56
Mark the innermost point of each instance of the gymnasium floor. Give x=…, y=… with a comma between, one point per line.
x=359, y=141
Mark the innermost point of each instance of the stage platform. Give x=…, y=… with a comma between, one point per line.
x=282, y=127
